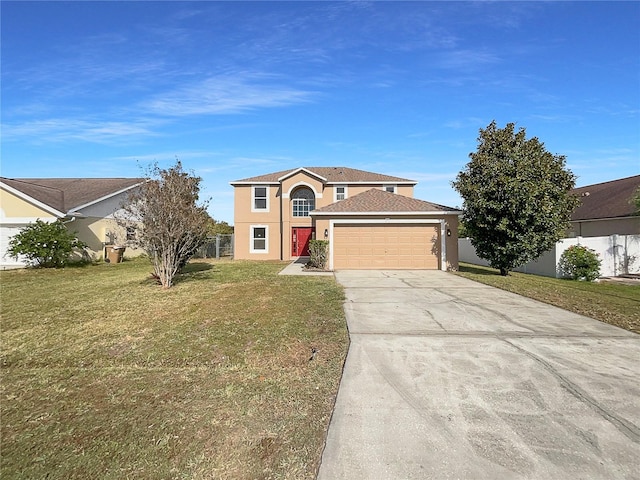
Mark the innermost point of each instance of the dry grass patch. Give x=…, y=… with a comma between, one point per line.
x=616, y=304
x=105, y=375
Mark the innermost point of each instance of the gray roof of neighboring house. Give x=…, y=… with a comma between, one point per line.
x=65, y=194
x=606, y=200
x=332, y=174
x=376, y=200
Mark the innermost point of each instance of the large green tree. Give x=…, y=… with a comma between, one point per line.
x=517, y=197
x=170, y=222
x=215, y=227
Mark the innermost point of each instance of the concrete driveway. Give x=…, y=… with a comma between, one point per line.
x=450, y=379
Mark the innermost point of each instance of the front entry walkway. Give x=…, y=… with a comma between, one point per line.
x=297, y=268
x=447, y=378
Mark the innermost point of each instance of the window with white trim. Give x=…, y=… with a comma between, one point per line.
x=131, y=233
x=389, y=188
x=340, y=193
x=303, y=201
x=260, y=199
x=259, y=239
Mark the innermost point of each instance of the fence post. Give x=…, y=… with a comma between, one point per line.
x=217, y=246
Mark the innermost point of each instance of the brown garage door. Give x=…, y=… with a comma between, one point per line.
x=371, y=246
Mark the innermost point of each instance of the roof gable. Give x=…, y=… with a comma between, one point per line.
x=329, y=175
x=379, y=201
x=606, y=200
x=301, y=170
x=29, y=204
x=67, y=194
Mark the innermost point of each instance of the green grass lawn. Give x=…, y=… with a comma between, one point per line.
x=612, y=303
x=105, y=375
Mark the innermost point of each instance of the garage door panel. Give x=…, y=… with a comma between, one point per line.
x=388, y=246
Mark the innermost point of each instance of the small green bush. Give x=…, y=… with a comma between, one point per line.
x=47, y=245
x=580, y=263
x=318, y=253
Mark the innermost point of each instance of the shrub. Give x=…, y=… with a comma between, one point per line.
x=580, y=263
x=43, y=244
x=318, y=253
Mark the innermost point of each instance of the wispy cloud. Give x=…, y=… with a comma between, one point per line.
x=469, y=122
x=429, y=177
x=166, y=155
x=225, y=94
x=556, y=117
x=63, y=129
x=467, y=59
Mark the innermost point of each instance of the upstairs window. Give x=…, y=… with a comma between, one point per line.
x=260, y=199
x=303, y=201
x=389, y=188
x=340, y=193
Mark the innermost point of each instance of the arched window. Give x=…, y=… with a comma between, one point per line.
x=303, y=201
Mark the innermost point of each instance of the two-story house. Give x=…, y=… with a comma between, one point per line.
x=371, y=220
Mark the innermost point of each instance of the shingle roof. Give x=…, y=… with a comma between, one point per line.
x=606, y=200
x=376, y=200
x=65, y=194
x=333, y=175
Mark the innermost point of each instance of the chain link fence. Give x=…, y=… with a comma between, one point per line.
x=216, y=247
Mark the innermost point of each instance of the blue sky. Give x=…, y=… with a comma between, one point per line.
x=236, y=89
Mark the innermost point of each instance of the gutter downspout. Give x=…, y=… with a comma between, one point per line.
x=281, y=227
x=443, y=246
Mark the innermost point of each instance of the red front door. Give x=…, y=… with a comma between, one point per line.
x=300, y=237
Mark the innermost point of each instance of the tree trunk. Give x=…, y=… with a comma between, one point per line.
x=504, y=271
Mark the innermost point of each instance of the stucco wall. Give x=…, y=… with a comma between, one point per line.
x=244, y=219
x=452, y=242
x=14, y=207
x=96, y=232
x=601, y=228
x=107, y=207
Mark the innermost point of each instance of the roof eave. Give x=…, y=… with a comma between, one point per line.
x=621, y=217
x=30, y=199
x=372, y=182
x=416, y=212
x=261, y=182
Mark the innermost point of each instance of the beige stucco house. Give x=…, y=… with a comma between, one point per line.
x=86, y=205
x=606, y=209
x=371, y=220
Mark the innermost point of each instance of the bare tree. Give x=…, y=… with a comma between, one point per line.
x=170, y=224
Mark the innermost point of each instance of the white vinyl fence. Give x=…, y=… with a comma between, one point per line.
x=620, y=254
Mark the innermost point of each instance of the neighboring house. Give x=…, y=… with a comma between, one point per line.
x=86, y=205
x=606, y=209
x=370, y=220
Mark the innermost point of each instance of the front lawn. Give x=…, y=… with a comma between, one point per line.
x=612, y=303
x=105, y=375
